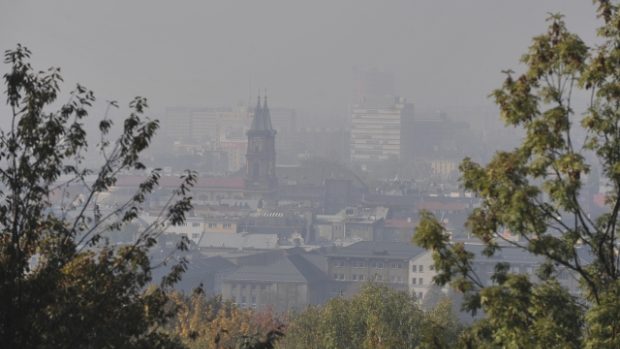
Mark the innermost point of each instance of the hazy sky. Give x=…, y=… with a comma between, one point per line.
x=443, y=53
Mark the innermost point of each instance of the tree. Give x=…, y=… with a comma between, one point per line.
x=535, y=191
x=61, y=284
x=377, y=317
x=210, y=323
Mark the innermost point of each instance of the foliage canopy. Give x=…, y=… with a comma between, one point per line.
x=61, y=284
x=536, y=191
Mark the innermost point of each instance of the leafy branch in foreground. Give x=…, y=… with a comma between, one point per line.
x=535, y=192
x=61, y=283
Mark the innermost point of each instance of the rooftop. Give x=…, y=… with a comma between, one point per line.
x=290, y=268
x=377, y=248
x=239, y=241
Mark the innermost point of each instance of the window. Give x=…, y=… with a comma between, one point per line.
x=359, y=264
x=212, y=225
x=361, y=277
x=414, y=268
x=420, y=295
x=380, y=265
x=195, y=224
x=227, y=225
x=414, y=281
x=255, y=169
x=420, y=281
x=354, y=277
x=335, y=276
x=421, y=268
x=431, y=267
x=195, y=235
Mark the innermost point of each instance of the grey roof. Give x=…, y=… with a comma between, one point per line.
x=211, y=264
x=291, y=268
x=239, y=241
x=378, y=248
x=318, y=260
x=262, y=118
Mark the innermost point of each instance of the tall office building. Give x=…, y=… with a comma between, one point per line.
x=381, y=129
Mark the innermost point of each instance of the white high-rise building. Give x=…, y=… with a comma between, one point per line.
x=381, y=129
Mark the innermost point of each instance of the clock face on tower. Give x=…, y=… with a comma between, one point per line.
x=261, y=152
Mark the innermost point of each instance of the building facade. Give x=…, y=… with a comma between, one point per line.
x=384, y=262
x=381, y=129
x=292, y=282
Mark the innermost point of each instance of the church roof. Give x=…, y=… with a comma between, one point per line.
x=262, y=118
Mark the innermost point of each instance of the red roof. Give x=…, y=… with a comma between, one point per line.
x=237, y=183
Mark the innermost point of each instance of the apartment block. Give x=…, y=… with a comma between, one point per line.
x=381, y=128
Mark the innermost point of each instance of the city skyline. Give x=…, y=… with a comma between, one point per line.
x=220, y=53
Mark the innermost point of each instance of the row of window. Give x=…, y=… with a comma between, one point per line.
x=362, y=277
x=362, y=264
x=243, y=299
x=356, y=277
x=224, y=225
x=420, y=268
x=418, y=281
x=246, y=286
x=243, y=302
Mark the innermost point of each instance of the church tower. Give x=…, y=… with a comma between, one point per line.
x=260, y=157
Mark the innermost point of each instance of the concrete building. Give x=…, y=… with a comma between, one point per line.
x=292, y=282
x=200, y=125
x=385, y=262
x=350, y=224
x=235, y=149
x=422, y=271
x=381, y=128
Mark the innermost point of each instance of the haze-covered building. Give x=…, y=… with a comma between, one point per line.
x=381, y=128
x=292, y=282
x=260, y=175
x=383, y=262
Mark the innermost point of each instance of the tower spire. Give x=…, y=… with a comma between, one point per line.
x=266, y=114
x=258, y=114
